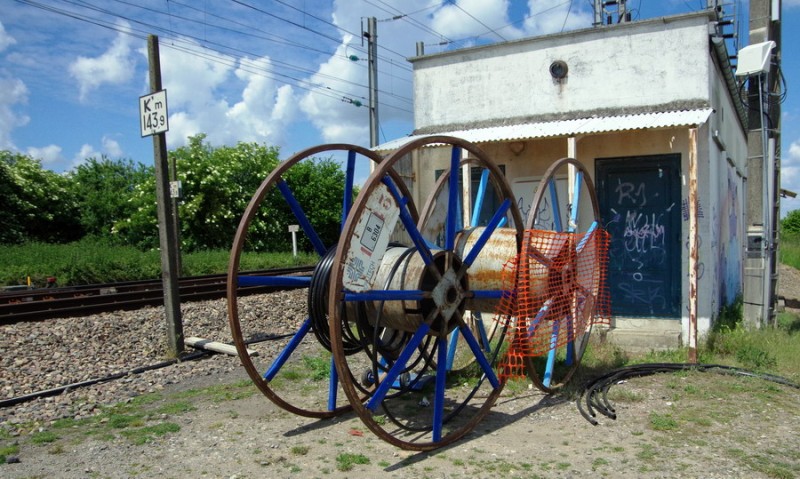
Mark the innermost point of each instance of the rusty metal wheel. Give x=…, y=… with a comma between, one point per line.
x=416, y=281
x=479, y=195
x=288, y=356
x=560, y=253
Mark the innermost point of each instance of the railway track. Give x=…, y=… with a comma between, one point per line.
x=47, y=303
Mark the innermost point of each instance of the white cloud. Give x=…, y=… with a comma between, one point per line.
x=337, y=120
x=791, y=3
x=12, y=91
x=199, y=84
x=551, y=16
x=115, y=66
x=50, y=154
x=6, y=40
x=455, y=20
x=790, y=176
x=111, y=147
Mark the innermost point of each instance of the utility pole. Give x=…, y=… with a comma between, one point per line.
x=167, y=234
x=372, y=52
x=763, y=169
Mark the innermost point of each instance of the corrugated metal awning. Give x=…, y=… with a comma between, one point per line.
x=566, y=128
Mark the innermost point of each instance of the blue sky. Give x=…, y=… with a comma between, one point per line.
x=271, y=71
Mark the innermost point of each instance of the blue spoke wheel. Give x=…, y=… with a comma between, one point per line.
x=417, y=281
x=287, y=353
x=561, y=254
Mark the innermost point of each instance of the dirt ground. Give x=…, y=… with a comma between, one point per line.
x=687, y=425
x=701, y=425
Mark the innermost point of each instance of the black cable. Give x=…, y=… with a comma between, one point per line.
x=595, y=392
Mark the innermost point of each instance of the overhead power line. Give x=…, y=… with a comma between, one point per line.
x=235, y=61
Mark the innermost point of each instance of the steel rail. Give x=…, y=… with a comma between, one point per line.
x=48, y=303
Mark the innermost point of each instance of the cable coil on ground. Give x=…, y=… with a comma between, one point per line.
x=595, y=393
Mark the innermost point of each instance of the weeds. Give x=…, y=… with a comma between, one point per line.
x=346, y=462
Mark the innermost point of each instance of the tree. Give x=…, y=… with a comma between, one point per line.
x=791, y=223
x=12, y=230
x=218, y=183
x=104, y=189
x=37, y=204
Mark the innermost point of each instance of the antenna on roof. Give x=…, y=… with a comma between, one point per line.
x=608, y=12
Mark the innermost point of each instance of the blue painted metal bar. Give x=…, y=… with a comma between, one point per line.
x=438, y=397
x=287, y=281
x=551, y=185
x=551, y=356
x=408, y=222
x=333, y=386
x=451, y=349
x=576, y=201
x=487, y=233
x=487, y=294
x=347, y=201
x=482, y=332
x=302, y=218
x=452, y=200
x=478, y=206
x=388, y=295
x=479, y=356
x=536, y=319
x=288, y=350
x=571, y=342
x=397, y=368
x=585, y=238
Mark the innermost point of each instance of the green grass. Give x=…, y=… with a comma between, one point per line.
x=139, y=420
x=222, y=392
x=346, y=462
x=143, y=435
x=8, y=450
x=662, y=422
x=789, y=251
x=92, y=261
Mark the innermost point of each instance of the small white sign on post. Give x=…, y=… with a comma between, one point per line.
x=153, y=116
x=293, y=229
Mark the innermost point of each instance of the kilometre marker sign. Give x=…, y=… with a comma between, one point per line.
x=153, y=117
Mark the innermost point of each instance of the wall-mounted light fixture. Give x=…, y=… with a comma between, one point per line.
x=559, y=70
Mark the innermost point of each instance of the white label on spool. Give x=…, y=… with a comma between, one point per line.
x=370, y=240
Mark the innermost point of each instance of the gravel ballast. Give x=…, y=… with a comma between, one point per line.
x=38, y=356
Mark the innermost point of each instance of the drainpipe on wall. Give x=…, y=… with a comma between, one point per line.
x=693, y=246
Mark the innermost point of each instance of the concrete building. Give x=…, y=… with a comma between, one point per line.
x=632, y=102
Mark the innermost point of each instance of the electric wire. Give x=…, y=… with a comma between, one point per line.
x=312, y=87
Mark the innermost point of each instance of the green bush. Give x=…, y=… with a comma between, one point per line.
x=791, y=223
x=35, y=204
x=104, y=189
x=218, y=183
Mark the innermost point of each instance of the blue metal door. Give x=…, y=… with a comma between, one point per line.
x=640, y=207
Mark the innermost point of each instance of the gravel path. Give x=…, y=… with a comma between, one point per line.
x=37, y=356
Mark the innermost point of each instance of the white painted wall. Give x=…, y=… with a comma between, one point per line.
x=639, y=64
x=660, y=64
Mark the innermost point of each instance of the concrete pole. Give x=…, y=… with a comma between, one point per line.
x=372, y=53
x=166, y=226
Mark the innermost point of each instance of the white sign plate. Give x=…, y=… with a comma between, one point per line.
x=153, y=117
x=371, y=238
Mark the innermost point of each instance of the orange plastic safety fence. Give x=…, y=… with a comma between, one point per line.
x=558, y=285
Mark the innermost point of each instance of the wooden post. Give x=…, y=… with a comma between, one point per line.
x=166, y=225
